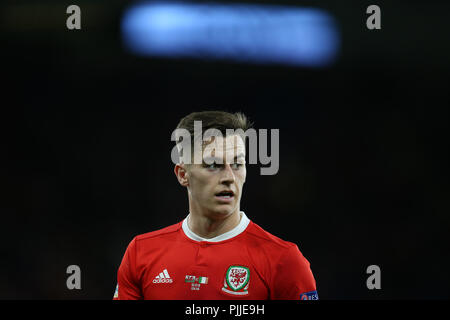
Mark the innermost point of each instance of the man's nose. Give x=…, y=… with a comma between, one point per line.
x=227, y=175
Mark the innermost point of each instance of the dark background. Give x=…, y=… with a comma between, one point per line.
x=85, y=152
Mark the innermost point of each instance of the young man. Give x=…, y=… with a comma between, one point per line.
x=216, y=252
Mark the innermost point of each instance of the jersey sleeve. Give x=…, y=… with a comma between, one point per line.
x=128, y=287
x=292, y=278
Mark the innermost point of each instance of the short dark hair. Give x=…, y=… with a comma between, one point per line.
x=220, y=120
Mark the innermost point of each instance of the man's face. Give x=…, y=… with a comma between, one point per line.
x=216, y=184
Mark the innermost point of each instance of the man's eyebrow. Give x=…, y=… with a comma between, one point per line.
x=217, y=159
x=212, y=159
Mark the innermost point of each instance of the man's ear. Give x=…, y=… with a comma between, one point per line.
x=182, y=174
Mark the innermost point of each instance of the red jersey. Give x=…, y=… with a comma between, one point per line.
x=245, y=263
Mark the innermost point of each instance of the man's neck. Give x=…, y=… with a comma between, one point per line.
x=205, y=226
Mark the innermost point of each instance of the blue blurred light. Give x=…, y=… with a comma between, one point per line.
x=250, y=33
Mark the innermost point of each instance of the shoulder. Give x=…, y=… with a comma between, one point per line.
x=152, y=242
x=154, y=238
x=158, y=234
x=267, y=239
x=279, y=250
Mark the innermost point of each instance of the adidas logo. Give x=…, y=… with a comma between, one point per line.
x=163, y=277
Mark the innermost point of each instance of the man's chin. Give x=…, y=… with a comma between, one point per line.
x=223, y=210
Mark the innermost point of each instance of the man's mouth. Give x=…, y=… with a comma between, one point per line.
x=225, y=195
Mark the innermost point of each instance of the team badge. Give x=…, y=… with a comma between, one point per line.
x=236, y=280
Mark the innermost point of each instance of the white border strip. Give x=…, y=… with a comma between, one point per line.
x=225, y=236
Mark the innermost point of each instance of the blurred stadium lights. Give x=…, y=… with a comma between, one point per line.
x=240, y=32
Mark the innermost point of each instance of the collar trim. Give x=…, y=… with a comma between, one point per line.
x=225, y=236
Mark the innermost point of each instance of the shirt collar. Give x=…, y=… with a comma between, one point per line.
x=225, y=236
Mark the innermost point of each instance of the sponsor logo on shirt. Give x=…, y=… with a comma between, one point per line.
x=237, y=280
x=163, y=277
x=311, y=295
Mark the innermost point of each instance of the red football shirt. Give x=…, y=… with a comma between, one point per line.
x=244, y=263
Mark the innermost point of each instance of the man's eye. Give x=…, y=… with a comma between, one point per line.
x=236, y=165
x=212, y=166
